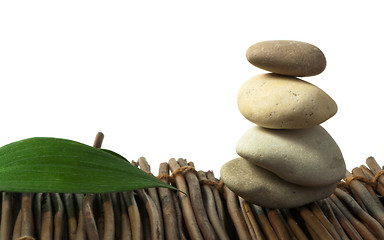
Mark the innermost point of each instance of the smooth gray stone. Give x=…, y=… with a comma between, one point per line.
x=307, y=157
x=261, y=187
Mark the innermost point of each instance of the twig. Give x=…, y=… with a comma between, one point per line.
x=327, y=209
x=27, y=227
x=314, y=223
x=264, y=222
x=109, y=220
x=46, y=218
x=99, y=217
x=168, y=207
x=211, y=207
x=179, y=216
x=364, y=216
x=189, y=217
x=293, y=225
x=316, y=210
x=115, y=197
x=98, y=140
x=80, y=229
x=58, y=216
x=153, y=213
x=253, y=227
x=126, y=231
x=277, y=224
x=152, y=191
x=17, y=227
x=347, y=225
x=374, y=209
x=89, y=219
x=375, y=168
x=312, y=232
x=6, y=216
x=71, y=215
x=363, y=231
x=134, y=215
x=235, y=213
x=246, y=218
x=218, y=200
x=36, y=206
x=197, y=203
x=358, y=172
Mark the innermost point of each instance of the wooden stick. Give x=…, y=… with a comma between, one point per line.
x=143, y=164
x=80, y=229
x=246, y=218
x=189, y=216
x=126, y=231
x=293, y=225
x=211, y=207
x=314, y=223
x=27, y=228
x=312, y=232
x=58, y=216
x=17, y=227
x=358, y=172
x=218, y=200
x=144, y=218
x=98, y=140
x=327, y=209
x=364, y=216
x=71, y=215
x=235, y=213
x=89, y=219
x=367, y=172
x=363, y=231
x=36, y=207
x=6, y=216
x=109, y=220
x=116, y=213
x=375, y=168
x=99, y=217
x=197, y=203
x=46, y=218
x=264, y=222
x=179, y=216
x=168, y=207
x=316, y=210
x=253, y=228
x=374, y=209
x=277, y=224
x=153, y=213
x=347, y=225
x=134, y=216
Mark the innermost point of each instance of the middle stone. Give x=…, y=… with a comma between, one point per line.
x=306, y=157
x=282, y=102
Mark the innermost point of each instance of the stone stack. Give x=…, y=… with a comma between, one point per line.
x=287, y=159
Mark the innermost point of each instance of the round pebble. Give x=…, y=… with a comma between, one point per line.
x=286, y=57
x=307, y=157
x=283, y=102
x=261, y=187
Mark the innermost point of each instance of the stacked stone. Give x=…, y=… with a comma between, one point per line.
x=287, y=159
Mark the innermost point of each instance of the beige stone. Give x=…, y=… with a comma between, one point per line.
x=282, y=102
x=307, y=157
x=286, y=57
x=263, y=188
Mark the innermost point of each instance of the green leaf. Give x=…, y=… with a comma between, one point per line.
x=65, y=166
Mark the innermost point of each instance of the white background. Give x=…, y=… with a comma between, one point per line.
x=160, y=78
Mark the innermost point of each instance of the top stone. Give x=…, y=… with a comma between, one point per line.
x=292, y=58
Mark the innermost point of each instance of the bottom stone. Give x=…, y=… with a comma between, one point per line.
x=262, y=187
